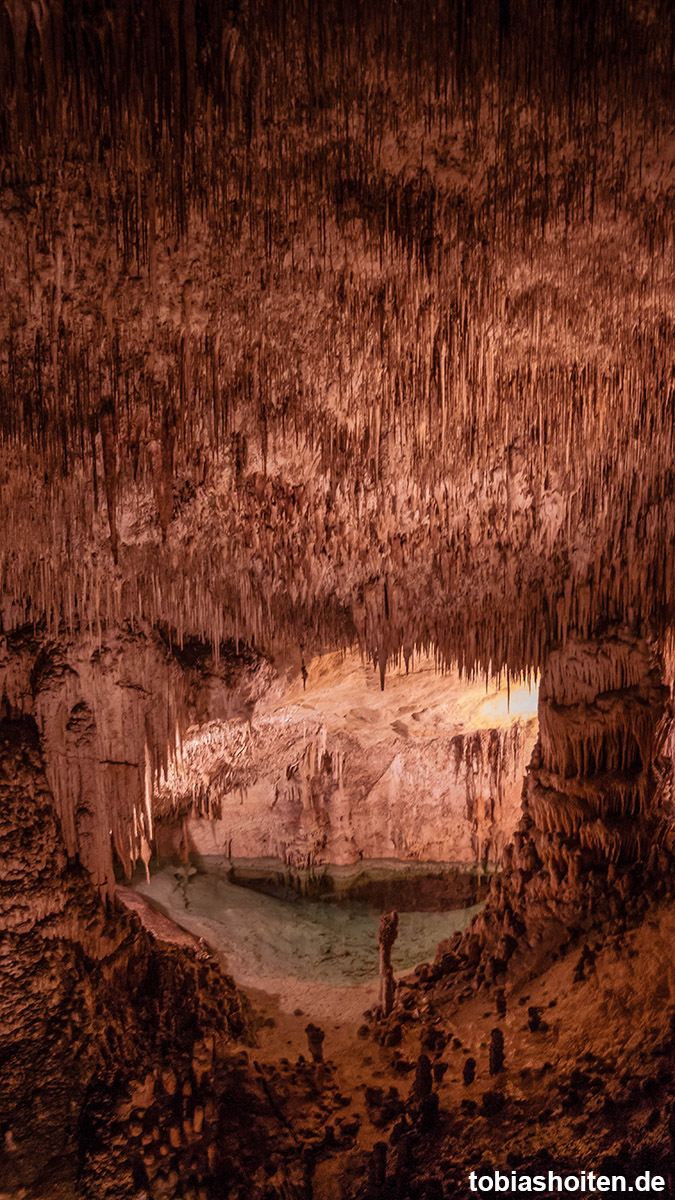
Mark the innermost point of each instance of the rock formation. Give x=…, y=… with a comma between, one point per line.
x=111, y=716
x=596, y=836
x=334, y=329
x=91, y=1008
x=469, y=1071
x=496, y=1052
x=429, y=770
x=353, y=381
x=386, y=938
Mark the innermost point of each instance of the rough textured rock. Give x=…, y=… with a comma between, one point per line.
x=111, y=716
x=326, y=325
x=134, y=729
x=596, y=835
x=88, y=1002
x=371, y=342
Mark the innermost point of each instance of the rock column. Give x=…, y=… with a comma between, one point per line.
x=596, y=805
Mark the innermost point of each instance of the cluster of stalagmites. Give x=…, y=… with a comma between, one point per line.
x=588, y=1099
x=216, y=1128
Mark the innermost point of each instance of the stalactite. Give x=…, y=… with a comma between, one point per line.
x=111, y=722
x=110, y=477
x=392, y=338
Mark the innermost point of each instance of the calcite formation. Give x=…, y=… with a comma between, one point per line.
x=111, y=717
x=312, y=334
x=91, y=1008
x=335, y=328
x=596, y=835
x=429, y=770
x=328, y=328
x=386, y=938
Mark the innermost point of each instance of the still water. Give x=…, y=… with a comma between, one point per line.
x=262, y=938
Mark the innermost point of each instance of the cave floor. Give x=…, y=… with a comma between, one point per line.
x=587, y=1086
x=593, y=1084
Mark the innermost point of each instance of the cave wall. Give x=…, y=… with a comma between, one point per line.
x=152, y=748
x=307, y=797
x=332, y=769
x=94, y=1013
x=111, y=713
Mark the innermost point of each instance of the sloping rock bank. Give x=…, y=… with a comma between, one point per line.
x=111, y=1041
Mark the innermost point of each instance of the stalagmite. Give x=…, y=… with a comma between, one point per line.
x=496, y=1052
x=315, y=1040
x=423, y=1078
x=386, y=938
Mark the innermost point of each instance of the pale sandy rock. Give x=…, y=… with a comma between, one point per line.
x=429, y=769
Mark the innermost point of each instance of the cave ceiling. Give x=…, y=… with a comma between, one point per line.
x=338, y=323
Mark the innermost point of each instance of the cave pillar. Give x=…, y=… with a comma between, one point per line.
x=595, y=838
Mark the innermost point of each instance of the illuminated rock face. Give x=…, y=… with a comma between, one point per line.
x=596, y=837
x=430, y=769
x=457, y=800
x=133, y=730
